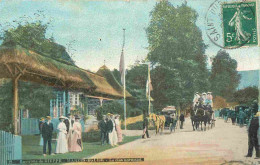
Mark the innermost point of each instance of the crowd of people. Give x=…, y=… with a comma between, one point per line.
x=245, y=115
x=240, y=114
x=110, y=130
x=204, y=99
x=69, y=138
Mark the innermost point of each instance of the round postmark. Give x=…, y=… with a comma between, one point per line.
x=232, y=25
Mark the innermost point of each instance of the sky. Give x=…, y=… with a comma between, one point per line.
x=96, y=27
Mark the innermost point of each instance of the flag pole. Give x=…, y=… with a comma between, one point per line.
x=149, y=91
x=124, y=102
x=124, y=79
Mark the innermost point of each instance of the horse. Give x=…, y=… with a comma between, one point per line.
x=159, y=121
x=199, y=116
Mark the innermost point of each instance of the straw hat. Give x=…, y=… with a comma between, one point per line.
x=48, y=117
x=61, y=117
x=257, y=114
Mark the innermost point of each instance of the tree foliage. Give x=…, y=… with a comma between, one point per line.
x=224, y=77
x=246, y=96
x=176, y=50
x=34, y=97
x=31, y=34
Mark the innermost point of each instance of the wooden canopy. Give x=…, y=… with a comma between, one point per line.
x=18, y=63
x=35, y=67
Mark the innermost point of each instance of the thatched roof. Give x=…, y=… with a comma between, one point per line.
x=31, y=66
x=108, y=75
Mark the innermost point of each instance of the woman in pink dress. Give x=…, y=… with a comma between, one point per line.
x=118, y=129
x=76, y=143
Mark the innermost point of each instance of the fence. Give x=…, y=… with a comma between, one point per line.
x=29, y=126
x=10, y=147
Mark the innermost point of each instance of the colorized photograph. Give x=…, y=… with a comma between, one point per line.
x=136, y=82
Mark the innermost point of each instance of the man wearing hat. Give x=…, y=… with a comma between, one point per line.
x=255, y=107
x=102, y=125
x=252, y=136
x=204, y=97
x=111, y=128
x=47, y=130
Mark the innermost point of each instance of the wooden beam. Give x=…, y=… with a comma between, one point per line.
x=15, y=105
x=21, y=71
x=9, y=69
x=97, y=97
x=63, y=83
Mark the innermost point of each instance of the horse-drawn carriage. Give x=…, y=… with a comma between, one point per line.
x=171, y=118
x=167, y=118
x=202, y=111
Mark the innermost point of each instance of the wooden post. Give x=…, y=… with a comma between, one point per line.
x=51, y=109
x=64, y=104
x=15, y=104
x=68, y=101
x=57, y=105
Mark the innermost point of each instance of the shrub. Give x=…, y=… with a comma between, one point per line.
x=91, y=136
x=137, y=126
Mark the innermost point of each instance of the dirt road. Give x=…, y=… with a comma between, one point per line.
x=222, y=144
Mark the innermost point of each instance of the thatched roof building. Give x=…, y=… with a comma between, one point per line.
x=37, y=67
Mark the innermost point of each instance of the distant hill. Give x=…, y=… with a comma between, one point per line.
x=248, y=78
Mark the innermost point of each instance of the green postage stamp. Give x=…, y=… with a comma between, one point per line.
x=239, y=24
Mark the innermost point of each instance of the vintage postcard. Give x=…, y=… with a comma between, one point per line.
x=142, y=82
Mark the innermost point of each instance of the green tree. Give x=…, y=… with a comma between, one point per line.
x=136, y=79
x=246, y=96
x=176, y=50
x=32, y=96
x=32, y=35
x=224, y=77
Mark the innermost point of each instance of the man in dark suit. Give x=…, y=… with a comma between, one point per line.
x=109, y=124
x=68, y=122
x=106, y=134
x=182, y=119
x=145, y=126
x=102, y=125
x=252, y=136
x=47, y=130
x=255, y=107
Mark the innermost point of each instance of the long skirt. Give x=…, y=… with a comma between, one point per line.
x=62, y=145
x=113, y=138
x=119, y=133
x=76, y=143
x=69, y=139
x=41, y=140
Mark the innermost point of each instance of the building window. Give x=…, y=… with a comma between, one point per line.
x=76, y=99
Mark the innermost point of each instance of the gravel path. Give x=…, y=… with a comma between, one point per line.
x=222, y=144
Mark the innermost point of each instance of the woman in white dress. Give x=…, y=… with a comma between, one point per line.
x=62, y=145
x=112, y=135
